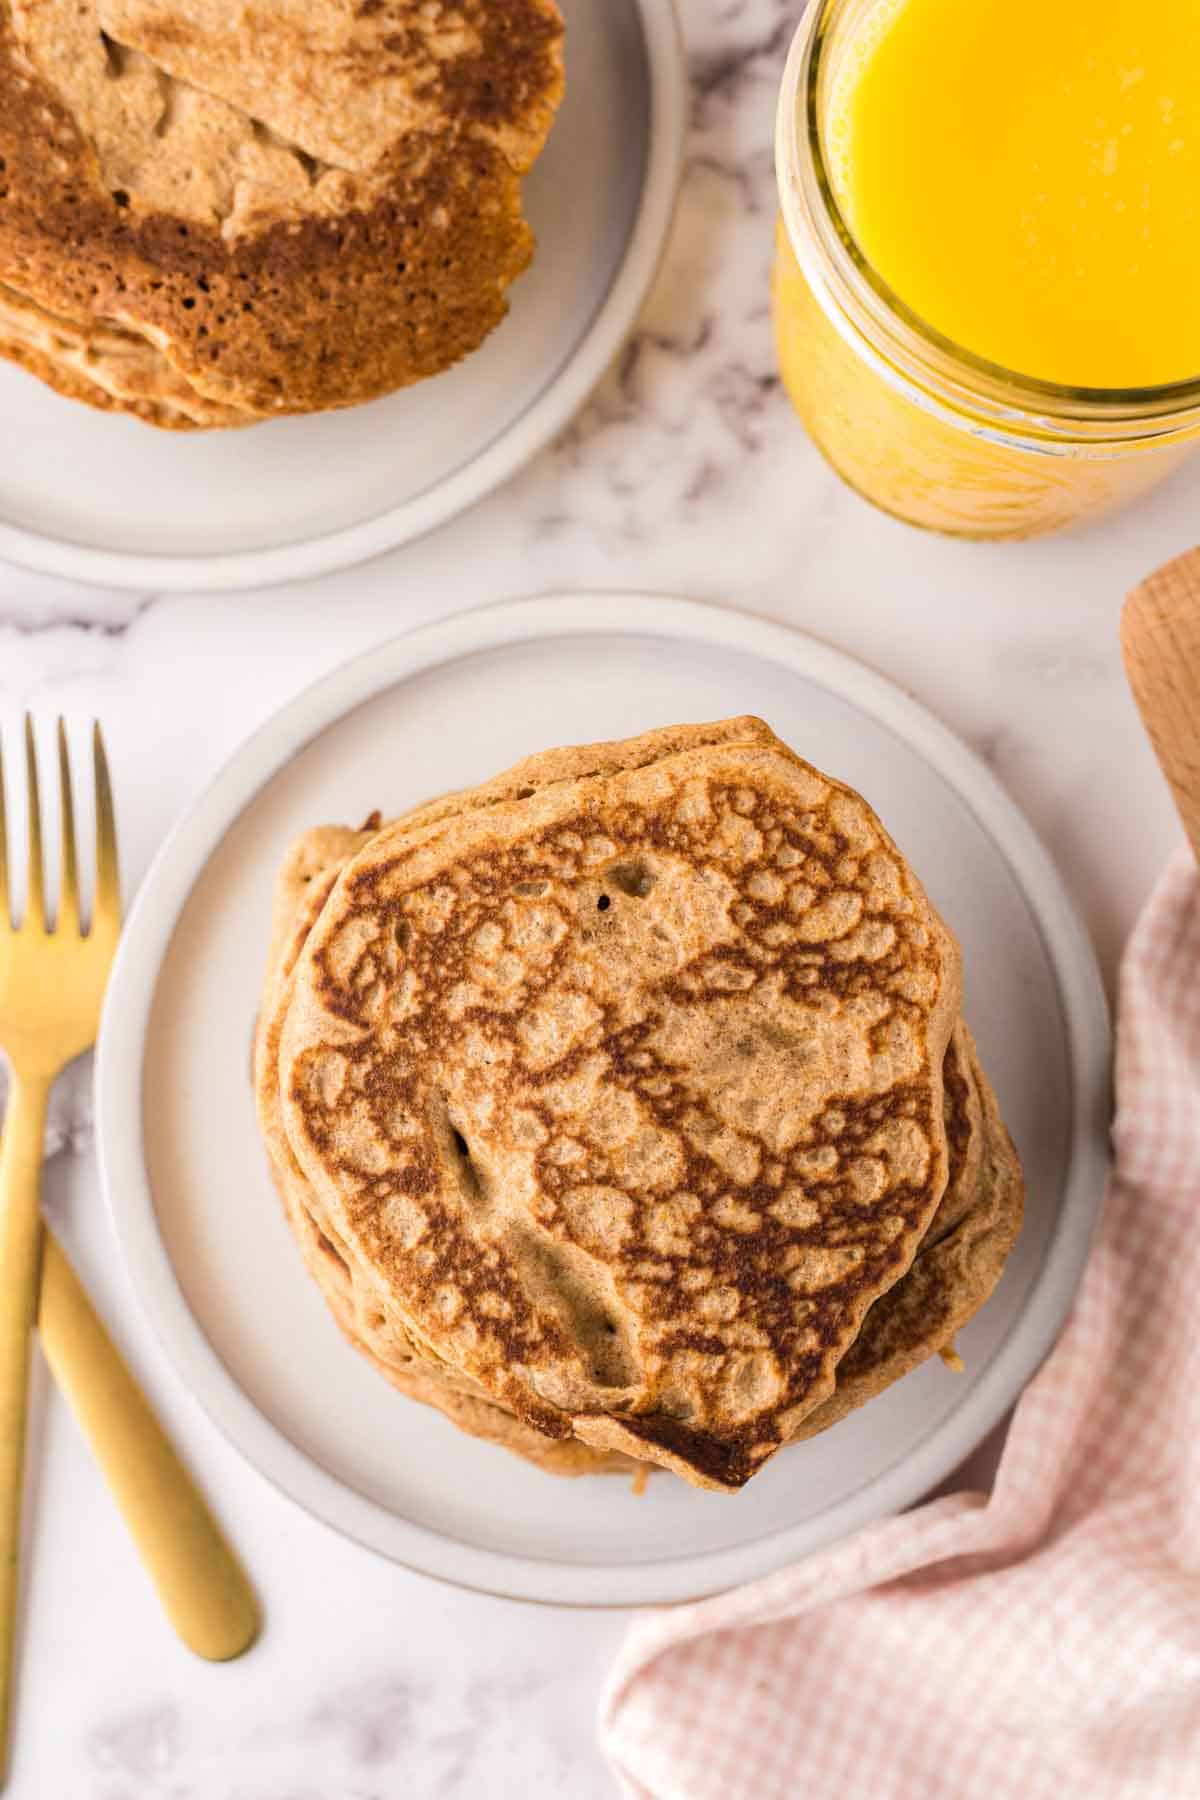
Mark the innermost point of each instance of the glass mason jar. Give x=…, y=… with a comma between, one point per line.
x=917, y=425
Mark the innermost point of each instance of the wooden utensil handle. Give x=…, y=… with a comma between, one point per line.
x=1160, y=639
x=20, y=1254
x=200, y=1582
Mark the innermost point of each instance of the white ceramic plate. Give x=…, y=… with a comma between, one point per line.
x=109, y=500
x=203, y=1232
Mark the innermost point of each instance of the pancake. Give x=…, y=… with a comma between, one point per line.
x=915, y=1319
x=638, y=1249
x=210, y=215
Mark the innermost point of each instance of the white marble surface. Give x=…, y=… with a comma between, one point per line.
x=686, y=473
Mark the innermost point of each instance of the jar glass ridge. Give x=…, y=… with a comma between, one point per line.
x=916, y=424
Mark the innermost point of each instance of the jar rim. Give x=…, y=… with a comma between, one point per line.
x=890, y=334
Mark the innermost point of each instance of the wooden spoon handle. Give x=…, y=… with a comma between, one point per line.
x=1160, y=640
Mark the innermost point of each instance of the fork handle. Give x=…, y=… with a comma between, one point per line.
x=202, y=1586
x=20, y=1259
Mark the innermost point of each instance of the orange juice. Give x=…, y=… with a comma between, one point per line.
x=1025, y=176
x=987, y=291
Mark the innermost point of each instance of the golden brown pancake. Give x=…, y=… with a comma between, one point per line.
x=639, y=1247
x=212, y=214
x=917, y=1317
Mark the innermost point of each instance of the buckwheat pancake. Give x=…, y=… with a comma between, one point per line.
x=960, y=1260
x=687, y=1010
x=212, y=214
x=945, y=1286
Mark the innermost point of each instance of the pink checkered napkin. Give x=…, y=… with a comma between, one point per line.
x=1042, y=1643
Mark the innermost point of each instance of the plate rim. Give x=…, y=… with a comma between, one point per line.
x=180, y=862
x=521, y=440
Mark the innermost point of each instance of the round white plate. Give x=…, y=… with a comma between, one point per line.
x=203, y=1231
x=107, y=499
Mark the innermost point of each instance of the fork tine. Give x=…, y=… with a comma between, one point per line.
x=68, y=899
x=5, y=907
x=107, y=910
x=35, y=894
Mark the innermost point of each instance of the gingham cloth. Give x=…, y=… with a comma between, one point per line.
x=1038, y=1643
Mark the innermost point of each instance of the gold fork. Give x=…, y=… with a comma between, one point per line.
x=51, y=986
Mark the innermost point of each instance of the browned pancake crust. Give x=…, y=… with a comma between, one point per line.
x=958, y=1266
x=305, y=882
x=749, y=1327
x=317, y=309
x=962, y=1112
x=947, y=1283
x=401, y=1364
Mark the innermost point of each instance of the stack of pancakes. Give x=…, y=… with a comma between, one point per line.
x=622, y=1106
x=215, y=213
